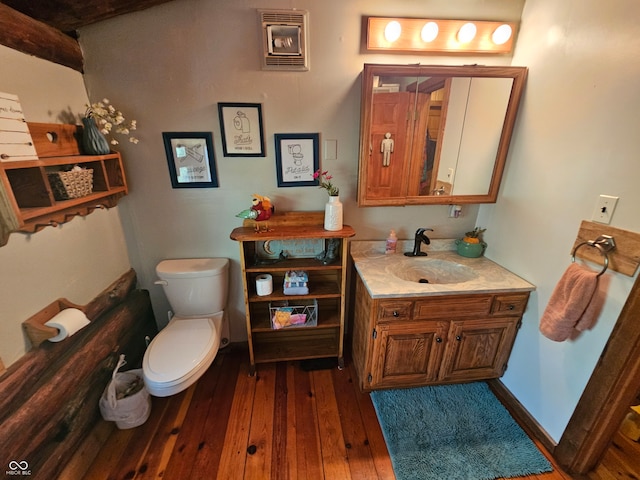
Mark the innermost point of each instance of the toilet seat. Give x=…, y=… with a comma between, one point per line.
x=180, y=354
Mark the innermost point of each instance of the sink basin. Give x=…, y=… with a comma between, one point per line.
x=434, y=271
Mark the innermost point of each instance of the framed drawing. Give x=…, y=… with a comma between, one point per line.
x=241, y=128
x=297, y=158
x=190, y=158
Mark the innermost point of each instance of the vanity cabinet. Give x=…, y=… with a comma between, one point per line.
x=29, y=190
x=326, y=282
x=407, y=342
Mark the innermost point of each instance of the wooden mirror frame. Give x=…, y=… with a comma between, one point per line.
x=518, y=74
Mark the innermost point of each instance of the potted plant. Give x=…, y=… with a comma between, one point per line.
x=333, y=208
x=471, y=245
x=102, y=119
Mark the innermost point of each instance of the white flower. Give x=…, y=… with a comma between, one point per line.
x=106, y=116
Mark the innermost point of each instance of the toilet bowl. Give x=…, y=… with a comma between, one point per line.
x=180, y=354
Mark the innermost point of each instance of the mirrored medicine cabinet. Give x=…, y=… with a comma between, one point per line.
x=435, y=134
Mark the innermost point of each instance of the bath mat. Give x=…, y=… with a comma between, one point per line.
x=454, y=432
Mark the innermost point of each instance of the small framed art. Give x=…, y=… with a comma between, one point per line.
x=297, y=158
x=190, y=158
x=241, y=128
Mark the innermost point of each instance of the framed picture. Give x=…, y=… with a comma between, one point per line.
x=297, y=158
x=241, y=128
x=190, y=158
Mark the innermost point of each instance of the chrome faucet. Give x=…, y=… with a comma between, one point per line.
x=419, y=238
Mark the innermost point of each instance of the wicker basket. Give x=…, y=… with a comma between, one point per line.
x=71, y=184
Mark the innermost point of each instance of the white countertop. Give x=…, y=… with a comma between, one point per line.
x=375, y=267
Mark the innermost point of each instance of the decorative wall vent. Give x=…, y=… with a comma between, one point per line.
x=284, y=39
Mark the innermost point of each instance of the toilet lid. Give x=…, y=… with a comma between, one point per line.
x=179, y=348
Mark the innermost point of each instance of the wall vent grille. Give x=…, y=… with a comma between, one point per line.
x=283, y=17
x=284, y=39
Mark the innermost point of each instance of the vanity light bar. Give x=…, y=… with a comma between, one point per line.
x=444, y=36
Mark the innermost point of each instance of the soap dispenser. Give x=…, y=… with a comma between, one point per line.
x=392, y=241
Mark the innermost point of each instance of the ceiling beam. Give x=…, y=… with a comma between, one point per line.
x=70, y=15
x=23, y=33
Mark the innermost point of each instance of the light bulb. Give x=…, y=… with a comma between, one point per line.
x=467, y=33
x=429, y=32
x=392, y=31
x=501, y=34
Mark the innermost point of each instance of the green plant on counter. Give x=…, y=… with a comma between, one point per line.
x=474, y=236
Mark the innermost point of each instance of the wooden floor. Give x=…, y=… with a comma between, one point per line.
x=284, y=423
x=620, y=461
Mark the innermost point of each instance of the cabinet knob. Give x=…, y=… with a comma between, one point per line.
x=511, y=307
x=395, y=313
x=438, y=340
x=458, y=338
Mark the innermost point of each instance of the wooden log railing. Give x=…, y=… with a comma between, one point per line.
x=49, y=398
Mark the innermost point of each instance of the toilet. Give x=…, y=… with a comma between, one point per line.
x=180, y=354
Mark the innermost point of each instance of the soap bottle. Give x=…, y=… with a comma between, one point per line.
x=392, y=241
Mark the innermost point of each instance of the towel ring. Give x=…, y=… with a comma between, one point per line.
x=604, y=244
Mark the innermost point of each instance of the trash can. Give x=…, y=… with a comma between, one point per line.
x=125, y=399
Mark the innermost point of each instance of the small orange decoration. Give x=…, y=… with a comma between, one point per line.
x=474, y=235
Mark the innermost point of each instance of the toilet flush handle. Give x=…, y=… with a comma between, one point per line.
x=161, y=282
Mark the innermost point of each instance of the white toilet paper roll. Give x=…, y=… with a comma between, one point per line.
x=264, y=284
x=68, y=321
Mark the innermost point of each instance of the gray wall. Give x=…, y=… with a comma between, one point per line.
x=169, y=66
x=76, y=260
x=576, y=138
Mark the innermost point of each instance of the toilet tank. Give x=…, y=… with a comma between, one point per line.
x=195, y=286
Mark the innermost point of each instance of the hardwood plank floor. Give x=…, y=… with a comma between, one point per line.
x=284, y=423
x=621, y=460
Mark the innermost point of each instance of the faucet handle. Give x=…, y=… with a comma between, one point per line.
x=423, y=237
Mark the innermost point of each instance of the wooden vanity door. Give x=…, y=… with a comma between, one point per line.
x=478, y=349
x=407, y=353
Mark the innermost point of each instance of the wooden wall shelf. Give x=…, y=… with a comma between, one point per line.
x=28, y=190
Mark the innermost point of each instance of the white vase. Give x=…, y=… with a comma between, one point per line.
x=333, y=214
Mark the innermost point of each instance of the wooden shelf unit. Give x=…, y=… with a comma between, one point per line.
x=29, y=192
x=327, y=286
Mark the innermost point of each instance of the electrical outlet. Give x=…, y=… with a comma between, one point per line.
x=604, y=209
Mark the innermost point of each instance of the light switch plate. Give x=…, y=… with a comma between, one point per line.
x=330, y=149
x=604, y=209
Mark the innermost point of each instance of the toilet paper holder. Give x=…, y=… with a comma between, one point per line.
x=36, y=330
x=35, y=327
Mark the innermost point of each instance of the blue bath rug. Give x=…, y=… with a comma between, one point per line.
x=454, y=432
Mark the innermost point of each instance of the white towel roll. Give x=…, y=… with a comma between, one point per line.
x=68, y=322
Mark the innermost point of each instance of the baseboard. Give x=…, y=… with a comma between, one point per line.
x=522, y=415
